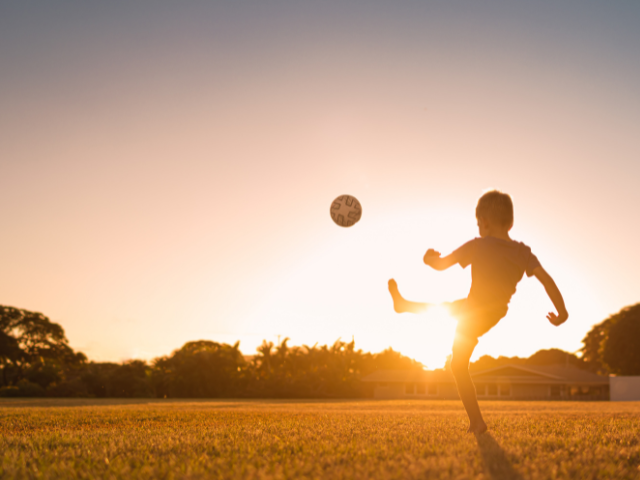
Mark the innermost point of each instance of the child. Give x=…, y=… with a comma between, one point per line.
x=498, y=263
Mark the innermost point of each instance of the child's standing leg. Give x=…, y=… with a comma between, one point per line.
x=462, y=349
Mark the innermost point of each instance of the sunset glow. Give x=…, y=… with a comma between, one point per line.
x=432, y=336
x=167, y=175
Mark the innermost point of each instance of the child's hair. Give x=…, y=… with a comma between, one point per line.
x=496, y=207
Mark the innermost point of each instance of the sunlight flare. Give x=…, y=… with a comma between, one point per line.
x=428, y=337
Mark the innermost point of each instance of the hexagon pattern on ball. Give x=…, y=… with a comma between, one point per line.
x=346, y=210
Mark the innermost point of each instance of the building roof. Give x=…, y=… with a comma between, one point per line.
x=546, y=374
x=560, y=374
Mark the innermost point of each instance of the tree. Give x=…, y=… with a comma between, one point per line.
x=130, y=380
x=200, y=369
x=31, y=344
x=592, y=349
x=318, y=371
x=487, y=361
x=389, y=359
x=9, y=353
x=620, y=348
x=96, y=378
x=554, y=356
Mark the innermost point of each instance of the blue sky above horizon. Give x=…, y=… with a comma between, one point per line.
x=167, y=170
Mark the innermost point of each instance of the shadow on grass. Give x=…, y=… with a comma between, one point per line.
x=495, y=460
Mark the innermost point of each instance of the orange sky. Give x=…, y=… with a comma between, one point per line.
x=167, y=172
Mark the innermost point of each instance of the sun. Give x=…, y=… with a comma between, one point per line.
x=427, y=338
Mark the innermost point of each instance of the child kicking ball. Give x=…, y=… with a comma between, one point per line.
x=498, y=263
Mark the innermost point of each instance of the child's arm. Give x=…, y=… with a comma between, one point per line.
x=434, y=260
x=555, y=296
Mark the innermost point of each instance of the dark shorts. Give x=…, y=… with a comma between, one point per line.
x=473, y=322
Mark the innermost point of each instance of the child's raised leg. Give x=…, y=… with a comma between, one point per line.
x=462, y=349
x=400, y=305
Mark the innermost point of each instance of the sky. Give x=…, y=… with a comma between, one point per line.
x=166, y=170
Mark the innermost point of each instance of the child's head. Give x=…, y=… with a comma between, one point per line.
x=494, y=210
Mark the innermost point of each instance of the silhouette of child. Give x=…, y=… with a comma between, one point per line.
x=498, y=263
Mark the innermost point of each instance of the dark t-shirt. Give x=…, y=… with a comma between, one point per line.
x=496, y=268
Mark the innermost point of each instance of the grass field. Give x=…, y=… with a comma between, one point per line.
x=316, y=439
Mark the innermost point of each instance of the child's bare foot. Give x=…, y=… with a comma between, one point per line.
x=477, y=428
x=399, y=303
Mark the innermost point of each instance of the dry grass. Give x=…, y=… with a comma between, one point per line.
x=289, y=439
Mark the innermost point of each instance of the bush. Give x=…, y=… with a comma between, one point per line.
x=9, y=392
x=30, y=389
x=69, y=388
x=23, y=389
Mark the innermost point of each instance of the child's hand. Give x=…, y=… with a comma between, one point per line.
x=431, y=255
x=557, y=320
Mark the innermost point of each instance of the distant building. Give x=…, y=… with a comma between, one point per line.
x=625, y=389
x=515, y=382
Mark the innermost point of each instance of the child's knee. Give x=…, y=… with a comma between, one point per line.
x=459, y=366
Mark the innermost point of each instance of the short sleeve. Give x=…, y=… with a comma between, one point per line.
x=464, y=254
x=532, y=264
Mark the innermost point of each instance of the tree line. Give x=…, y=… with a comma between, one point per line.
x=36, y=360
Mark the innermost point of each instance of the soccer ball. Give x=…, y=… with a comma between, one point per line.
x=346, y=210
